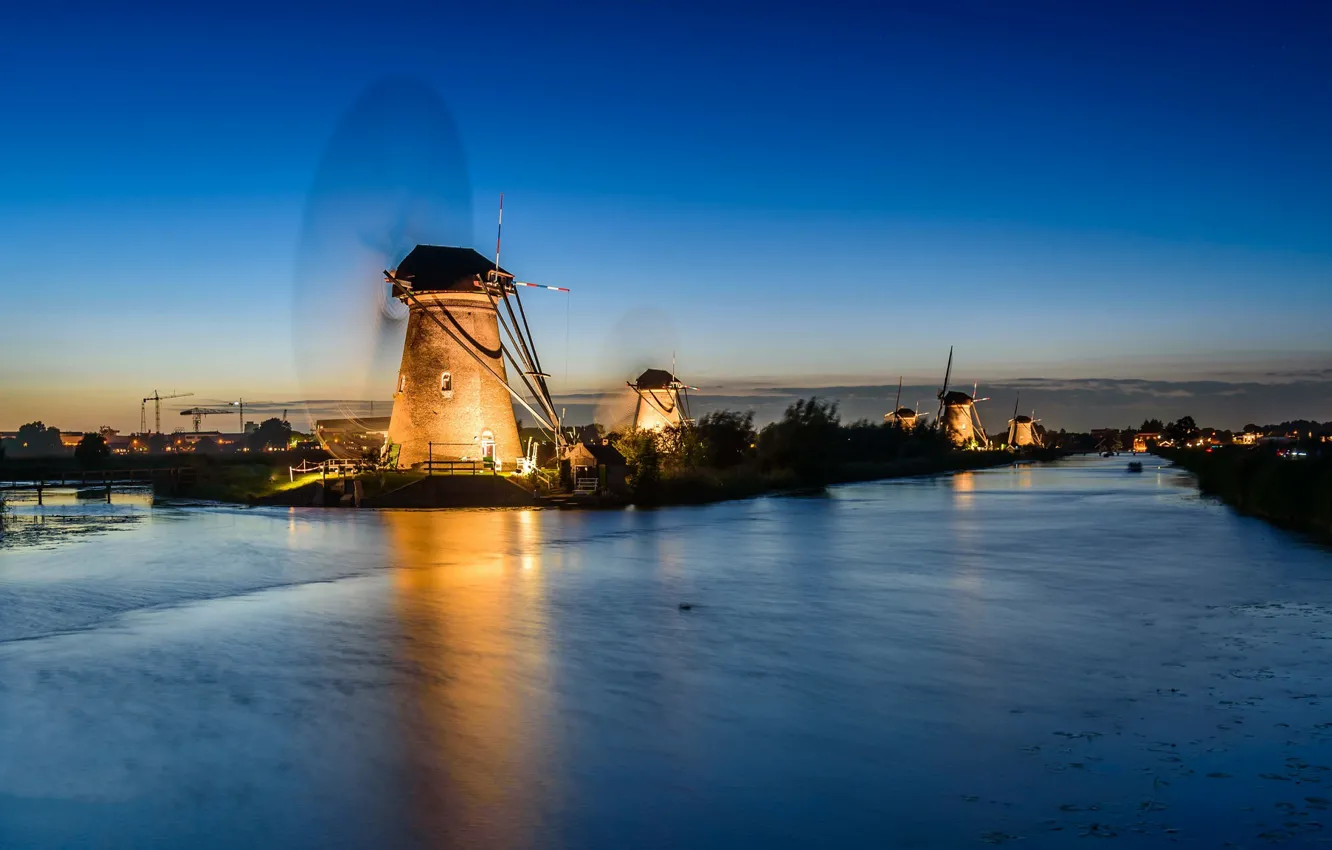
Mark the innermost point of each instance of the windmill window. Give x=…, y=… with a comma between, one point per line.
x=402, y=383
x=446, y=384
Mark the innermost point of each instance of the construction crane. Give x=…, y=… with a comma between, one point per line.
x=157, y=411
x=199, y=413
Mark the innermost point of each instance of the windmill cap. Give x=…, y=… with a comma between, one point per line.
x=956, y=397
x=1024, y=419
x=655, y=379
x=437, y=268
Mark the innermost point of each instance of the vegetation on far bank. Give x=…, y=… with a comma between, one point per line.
x=723, y=456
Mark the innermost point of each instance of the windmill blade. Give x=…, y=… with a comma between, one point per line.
x=948, y=373
x=376, y=194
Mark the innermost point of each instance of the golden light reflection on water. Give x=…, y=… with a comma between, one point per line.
x=1024, y=477
x=468, y=597
x=964, y=486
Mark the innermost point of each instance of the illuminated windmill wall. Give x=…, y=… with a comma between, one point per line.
x=659, y=402
x=445, y=396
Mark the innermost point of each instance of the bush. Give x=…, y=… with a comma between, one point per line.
x=92, y=451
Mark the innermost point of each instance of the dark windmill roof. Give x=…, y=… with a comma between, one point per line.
x=904, y=413
x=655, y=379
x=1023, y=419
x=956, y=397
x=436, y=268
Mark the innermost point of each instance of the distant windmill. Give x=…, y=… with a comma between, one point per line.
x=1022, y=429
x=957, y=413
x=904, y=417
x=663, y=400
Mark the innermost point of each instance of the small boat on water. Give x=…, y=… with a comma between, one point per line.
x=1135, y=466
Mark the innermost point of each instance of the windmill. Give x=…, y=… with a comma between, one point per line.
x=454, y=397
x=1022, y=429
x=957, y=413
x=662, y=400
x=385, y=306
x=904, y=417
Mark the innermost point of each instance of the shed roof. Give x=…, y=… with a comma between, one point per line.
x=437, y=268
x=585, y=454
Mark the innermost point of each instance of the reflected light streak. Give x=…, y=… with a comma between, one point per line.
x=476, y=642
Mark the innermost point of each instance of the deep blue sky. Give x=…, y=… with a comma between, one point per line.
x=778, y=191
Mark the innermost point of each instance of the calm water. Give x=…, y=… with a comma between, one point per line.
x=1017, y=656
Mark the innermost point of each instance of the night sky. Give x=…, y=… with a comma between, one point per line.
x=794, y=195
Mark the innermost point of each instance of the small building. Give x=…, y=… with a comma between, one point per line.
x=597, y=468
x=1143, y=440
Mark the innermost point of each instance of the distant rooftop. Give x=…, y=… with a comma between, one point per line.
x=437, y=268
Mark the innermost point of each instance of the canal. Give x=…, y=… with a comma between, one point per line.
x=1019, y=656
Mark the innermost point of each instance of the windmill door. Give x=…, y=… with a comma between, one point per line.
x=487, y=446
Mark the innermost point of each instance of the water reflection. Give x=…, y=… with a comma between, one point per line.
x=468, y=596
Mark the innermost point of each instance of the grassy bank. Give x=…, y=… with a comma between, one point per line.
x=262, y=484
x=1294, y=493
x=702, y=486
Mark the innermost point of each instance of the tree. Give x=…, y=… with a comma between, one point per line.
x=157, y=444
x=639, y=448
x=1183, y=429
x=681, y=447
x=92, y=451
x=805, y=441
x=271, y=433
x=728, y=437
x=1152, y=426
x=37, y=439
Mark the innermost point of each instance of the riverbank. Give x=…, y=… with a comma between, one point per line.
x=263, y=485
x=1290, y=492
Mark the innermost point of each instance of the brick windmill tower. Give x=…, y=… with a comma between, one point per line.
x=662, y=400
x=454, y=395
x=957, y=414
